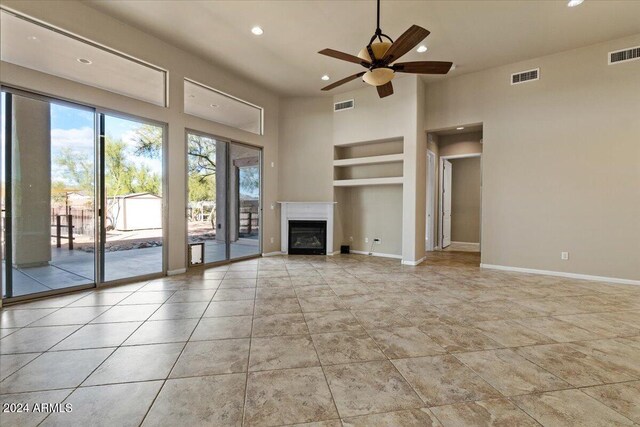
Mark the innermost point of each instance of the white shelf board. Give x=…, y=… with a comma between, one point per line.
x=368, y=181
x=371, y=160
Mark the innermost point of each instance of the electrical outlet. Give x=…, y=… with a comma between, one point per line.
x=377, y=240
x=564, y=256
x=273, y=164
x=366, y=240
x=351, y=238
x=273, y=206
x=272, y=240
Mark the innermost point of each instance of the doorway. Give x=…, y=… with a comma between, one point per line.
x=224, y=214
x=63, y=165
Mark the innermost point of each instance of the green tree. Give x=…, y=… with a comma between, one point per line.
x=77, y=169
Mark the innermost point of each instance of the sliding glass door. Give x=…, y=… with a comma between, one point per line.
x=48, y=201
x=132, y=232
x=63, y=164
x=224, y=210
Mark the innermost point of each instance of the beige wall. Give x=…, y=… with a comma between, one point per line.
x=465, y=200
x=87, y=22
x=561, y=159
x=459, y=144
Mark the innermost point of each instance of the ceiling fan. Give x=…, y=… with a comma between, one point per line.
x=379, y=57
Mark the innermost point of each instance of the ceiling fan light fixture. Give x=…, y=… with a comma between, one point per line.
x=379, y=49
x=257, y=31
x=378, y=76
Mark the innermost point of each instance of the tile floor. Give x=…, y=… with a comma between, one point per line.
x=344, y=340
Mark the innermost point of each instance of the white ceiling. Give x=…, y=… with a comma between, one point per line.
x=473, y=34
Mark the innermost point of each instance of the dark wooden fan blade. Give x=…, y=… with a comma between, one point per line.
x=344, y=56
x=385, y=90
x=343, y=81
x=403, y=44
x=423, y=67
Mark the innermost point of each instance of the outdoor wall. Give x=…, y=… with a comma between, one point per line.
x=561, y=159
x=85, y=21
x=465, y=200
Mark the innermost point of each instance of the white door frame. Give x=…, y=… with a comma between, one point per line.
x=430, y=245
x=441, y=179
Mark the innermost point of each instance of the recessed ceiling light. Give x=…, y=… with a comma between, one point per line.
x=460, y=128
x=214, y=105
x=325, y=77
x=32, y=38
x=422, y=49
x=574, y=3
x=85, y=61
x=257, y=31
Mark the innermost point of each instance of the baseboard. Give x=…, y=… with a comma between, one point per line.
x=333, y=253
x=276, y=253
x=176, y=272
x=562, y=274
x=376, y=254
x=414, y=262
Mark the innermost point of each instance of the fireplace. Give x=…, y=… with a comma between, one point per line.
x=307, y=237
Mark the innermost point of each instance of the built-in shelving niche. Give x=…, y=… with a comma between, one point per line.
x=369, y=163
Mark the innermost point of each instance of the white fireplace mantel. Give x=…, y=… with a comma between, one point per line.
x=309, y=211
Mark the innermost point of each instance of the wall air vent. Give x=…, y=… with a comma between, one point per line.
x=624, y=55
x=343, y=105
x=525, y=76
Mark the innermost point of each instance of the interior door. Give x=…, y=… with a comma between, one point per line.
x=446, y=202
x=431, y=179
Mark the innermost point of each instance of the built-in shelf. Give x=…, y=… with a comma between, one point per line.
x=371, y=160
x=394, y=180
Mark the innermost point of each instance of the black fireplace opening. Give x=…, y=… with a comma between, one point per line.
x=308, y=237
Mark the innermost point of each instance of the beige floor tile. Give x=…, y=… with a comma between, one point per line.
x=332, y=321
x=311, y=304
x=573, y=366
x=408, y=418
x=557, y=330
x=127, y=313
x=440, y=380
x=52, y=370
x=236, y=294
x=158, y=297
x=399, y=343
x=346, y=347
x=368, y=388
x=616, y=353
x=456, y=338
x=98, y=335
x=109, y=405
x=183, y=310
x=381, y=319
x=511, y=333
x=229, y=308
x=70, y=316
x=212, y=357
x=569, y=408
x=270, y=353
x=136, y=363
x=215, y=328
x=278, y=293
x=288, y=396
x=510, y=373
x=279, y=324
x=274, y=282
x=17, y=318
x=313, y=291
x=202, y=401
x=624, y=398
x=9, y=363
x=100, y=298
x=601, y=324
x=494, y=412
x=265, y=307
x=237, y=283
x=30, y=419
x=192, y=296
x=32, y=340
x=162, y=331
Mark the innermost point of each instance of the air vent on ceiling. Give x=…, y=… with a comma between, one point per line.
x=343, y=105
x=624, y=55
x=525, y=76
